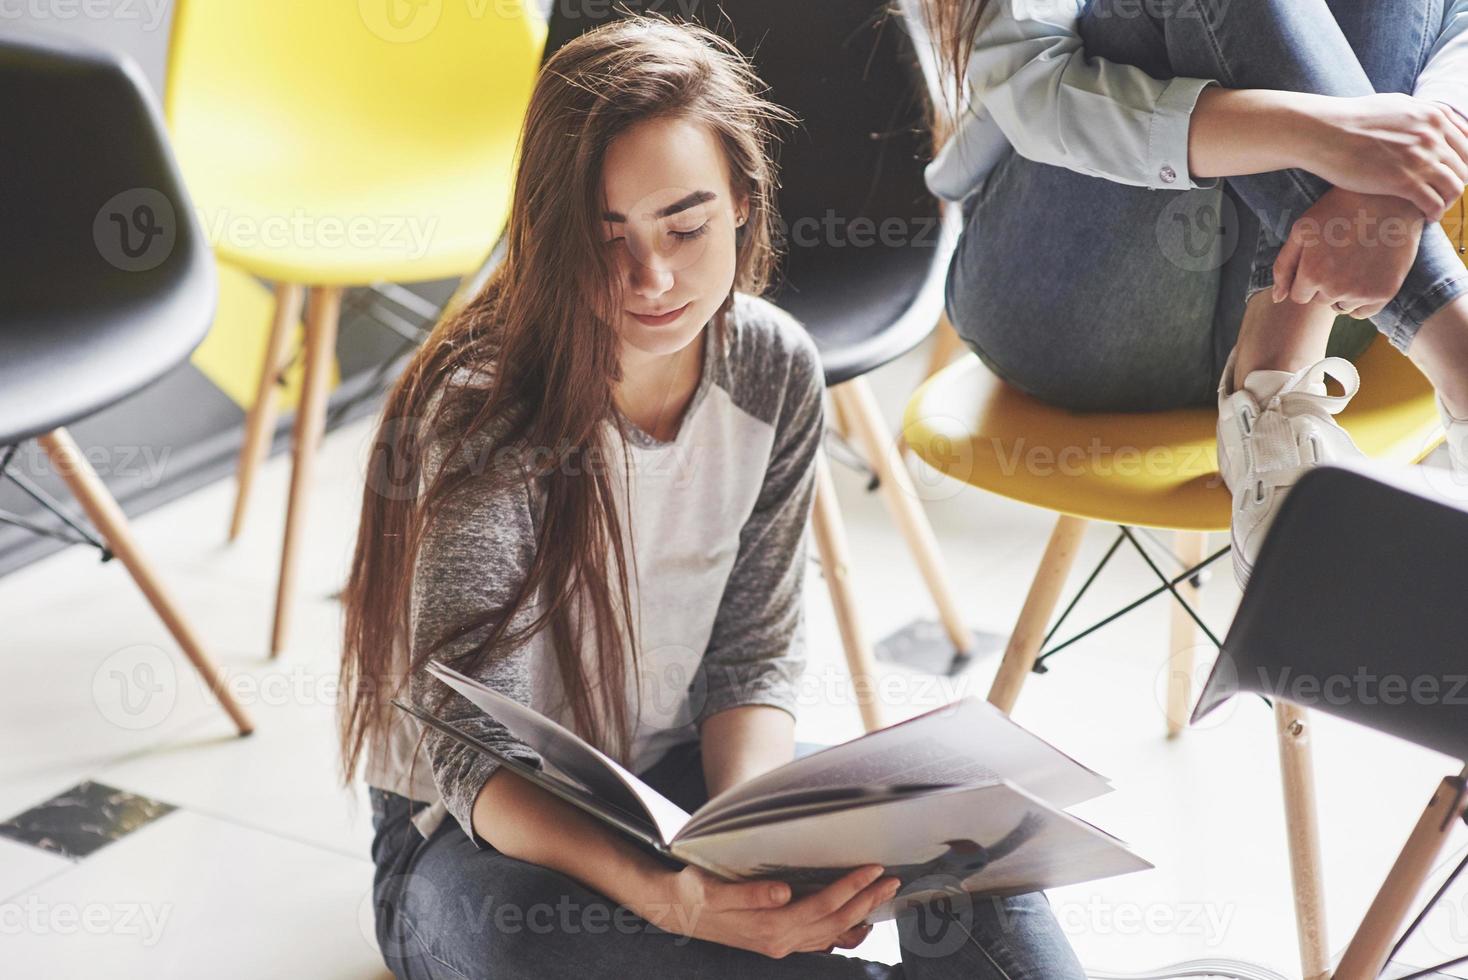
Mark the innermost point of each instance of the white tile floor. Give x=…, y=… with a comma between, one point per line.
x=264, y=872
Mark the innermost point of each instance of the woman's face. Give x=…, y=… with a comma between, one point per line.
x=670, y=222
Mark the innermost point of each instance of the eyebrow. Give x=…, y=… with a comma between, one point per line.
x=691, y=201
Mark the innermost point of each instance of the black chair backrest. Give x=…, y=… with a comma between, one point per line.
x=107, y=281
x=1358, y=606
x=849, y=70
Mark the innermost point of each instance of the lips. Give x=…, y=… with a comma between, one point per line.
x=659, y=319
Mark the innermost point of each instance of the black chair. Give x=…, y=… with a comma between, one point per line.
x=1356, y=608
x=108, y=283
x=866, y=253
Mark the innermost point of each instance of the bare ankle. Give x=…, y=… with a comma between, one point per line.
x=1440, y=349
x=1280, y=336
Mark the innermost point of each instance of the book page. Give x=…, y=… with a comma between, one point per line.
x=986, y=840
x=966, y=743
x=602, y=775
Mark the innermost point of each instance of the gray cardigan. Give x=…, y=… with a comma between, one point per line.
x=717, y=525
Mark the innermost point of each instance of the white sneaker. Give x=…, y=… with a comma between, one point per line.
x=1456, y=431
x=1271, y=431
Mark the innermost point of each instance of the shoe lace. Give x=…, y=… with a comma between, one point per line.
x=1271, y=444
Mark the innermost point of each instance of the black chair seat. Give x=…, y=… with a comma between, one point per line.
x=864, y=307
x=107, y=283
x=849, y=71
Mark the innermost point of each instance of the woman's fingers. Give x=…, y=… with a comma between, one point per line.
x=1285, y=267
x=1459, y=121
x=752, y=895
x=854, y=913
x=1446, y=185
x=1458, y=141
x=838, y=908
x=1425, y=197
x=834, y=896
x=1304, y=289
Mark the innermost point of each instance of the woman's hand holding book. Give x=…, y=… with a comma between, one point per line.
x=759, y=915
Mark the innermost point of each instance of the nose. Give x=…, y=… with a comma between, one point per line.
x=648, y=276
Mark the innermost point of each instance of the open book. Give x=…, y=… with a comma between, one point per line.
x=958, y=799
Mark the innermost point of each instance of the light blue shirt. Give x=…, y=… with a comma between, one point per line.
x=1032, y=88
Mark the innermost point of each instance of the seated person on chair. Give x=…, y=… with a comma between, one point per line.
x=589, y=488
x=1103, y=267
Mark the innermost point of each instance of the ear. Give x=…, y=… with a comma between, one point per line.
x=741, y=211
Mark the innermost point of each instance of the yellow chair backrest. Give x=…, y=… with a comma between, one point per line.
x=420, y=70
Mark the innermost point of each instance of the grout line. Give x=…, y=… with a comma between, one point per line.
x=10, y=897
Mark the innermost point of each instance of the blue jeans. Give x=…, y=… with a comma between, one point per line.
x=446, y=909
x=1099, y=296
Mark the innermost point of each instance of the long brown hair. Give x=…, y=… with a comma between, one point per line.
x=548, y=315
x=953, y=27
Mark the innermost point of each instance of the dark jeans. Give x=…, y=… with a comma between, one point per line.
x=446, y=909
x=1100, y=296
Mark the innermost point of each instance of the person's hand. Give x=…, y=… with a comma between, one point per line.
x=1350, y=250
x=760, y=916
x=1390, y=144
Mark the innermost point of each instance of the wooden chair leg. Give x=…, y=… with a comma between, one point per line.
x=321, y=323
x=1034, y=617
x=837, y=414
x=860, y=409
x=1367, y=954
x=260, y=418
x=107, y=517
x=830, y=537
x=1302, y=824
x=1190, y=546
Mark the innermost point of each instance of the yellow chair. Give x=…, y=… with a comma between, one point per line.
x=1155, y=470
x=332, y=144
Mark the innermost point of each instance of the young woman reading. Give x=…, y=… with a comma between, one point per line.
x=590, y=491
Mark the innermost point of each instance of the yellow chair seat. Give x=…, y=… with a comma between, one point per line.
x=328, y=143
x=1155, y=469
